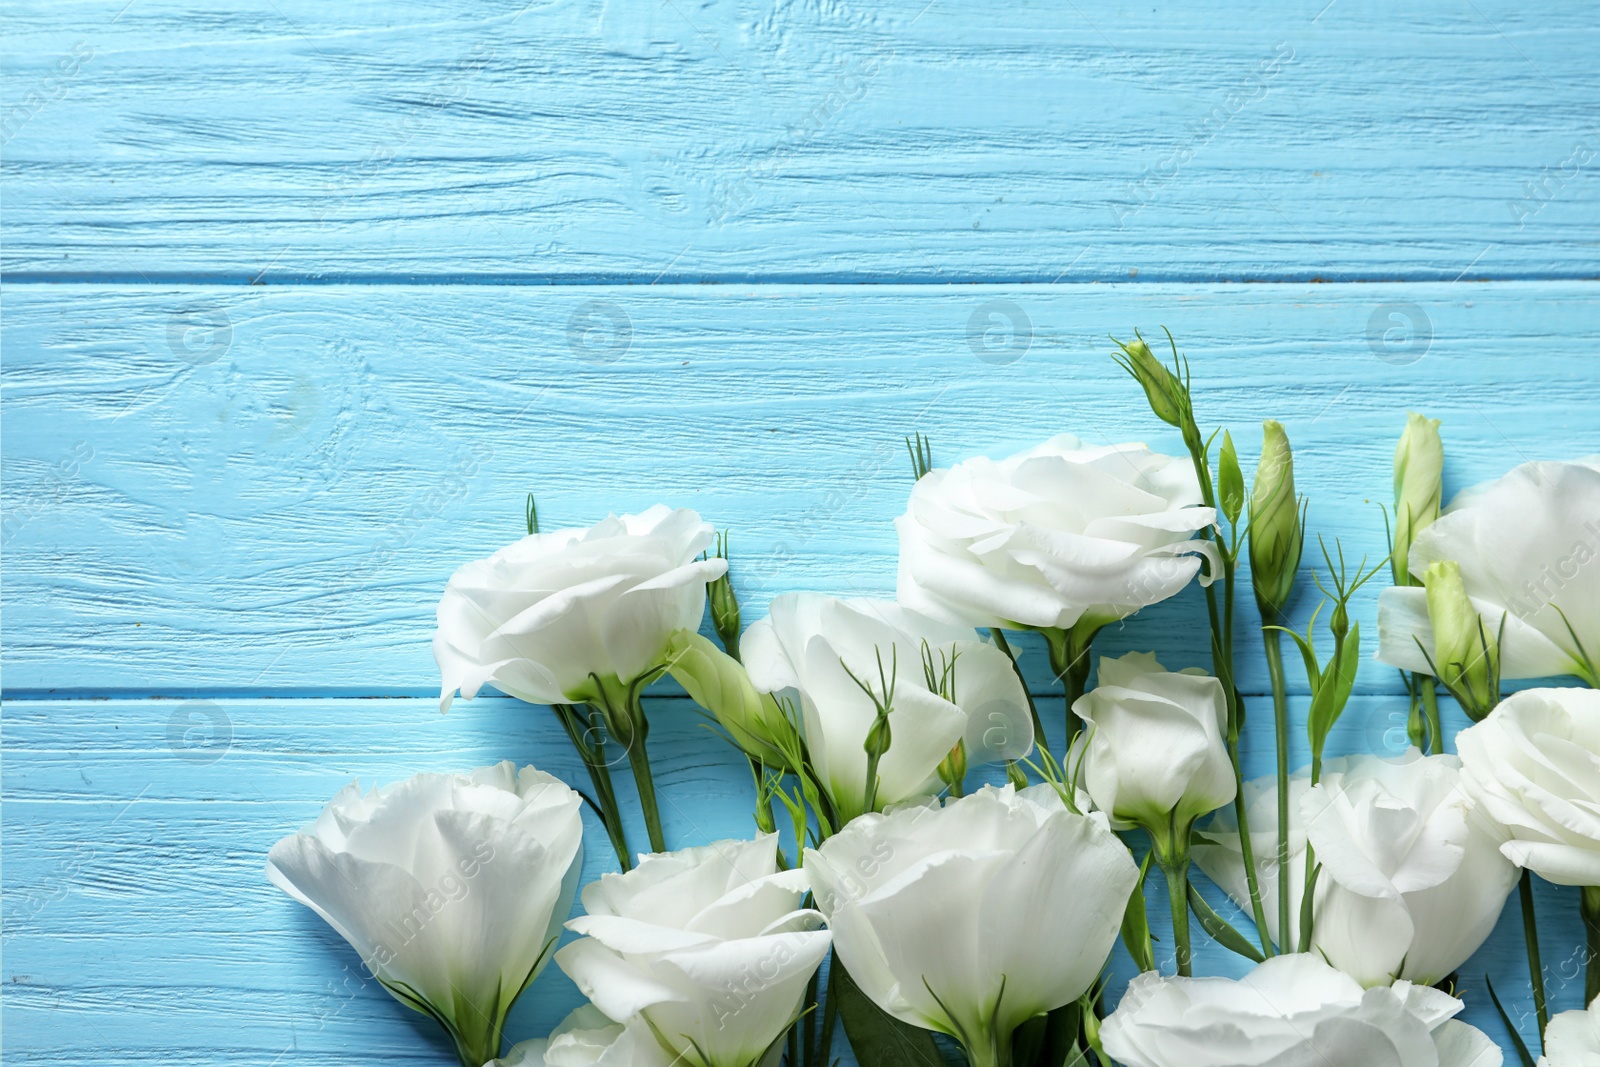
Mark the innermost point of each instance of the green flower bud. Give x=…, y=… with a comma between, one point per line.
x=1466, y=655
x=1230, y=481
x=1275, y=532
x=953, y=769
x=1418, y=469
x=1161, y=386
x=717, y=682
x=879, y=737
x=724, y=604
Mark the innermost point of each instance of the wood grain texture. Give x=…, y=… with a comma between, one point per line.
x=227, y=509
x=617, y=140
x=139, y=927
x=238, y=490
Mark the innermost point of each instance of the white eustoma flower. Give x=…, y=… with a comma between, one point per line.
x=1534, y=767
x=452, y=887
x=1291, y=1011
x=1573, y=1039
x=709, y=946
x=809, y=646
x=587, y=1038
x=1061, y=534
x=544, y=614
x=1153, y=750
x=1527, y=546
x=1412, y=879
x=973, y=917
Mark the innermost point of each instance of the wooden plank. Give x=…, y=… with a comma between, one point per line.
x=253, y=490
x=581, y=140
x=139, y=927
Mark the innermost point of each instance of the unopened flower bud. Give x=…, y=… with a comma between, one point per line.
x=879, y=736
x=953, y=769
x=1275, y=533
x=1418, y=469
x=1465, y=654
x=1161, y=386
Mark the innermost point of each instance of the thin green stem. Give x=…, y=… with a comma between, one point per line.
x=1070, y=662
x=1530, y=937
x=1589, y=908
x=639, y=760
x=1280, y=718
x=593, y=756
x=1430, y=708
x=1241, y=812
x=1176, y=870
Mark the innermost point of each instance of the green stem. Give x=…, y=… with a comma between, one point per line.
x=991, y=1051
x=1430, y=708
x=1070, y=662
x=1530, y=937
x=639, y=760
x=578, y=728
x=1280, y=718
x=1589, y=908
x=1000, y=642
x=1174, y=862
x=1258, y=910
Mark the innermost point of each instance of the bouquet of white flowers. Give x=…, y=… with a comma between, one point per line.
x=884, y=904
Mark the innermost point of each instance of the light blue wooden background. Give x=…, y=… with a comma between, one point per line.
x=300, y=299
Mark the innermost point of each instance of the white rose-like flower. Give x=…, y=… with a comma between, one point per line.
x=452, y=887
x=1526, y=545
x=1156, y=756
x=541, y=615
x=1412, y=879
x=1534, y=767
x=809, y=646
x=709, y=946
x=1573, y=1039
x=1060, y=534
x=973, y=917
x=1291, y=1011
x=587, y=1038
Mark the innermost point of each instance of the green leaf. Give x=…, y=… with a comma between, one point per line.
x=876, y=1036
x=1221, y=931
x=1332, y=690
x=1230, y=481
x=1136, y=925
x=1516, y=1039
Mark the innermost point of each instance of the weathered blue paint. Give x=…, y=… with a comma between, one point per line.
x=301, y=299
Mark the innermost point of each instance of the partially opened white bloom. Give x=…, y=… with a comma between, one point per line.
x=543, y=614
x=1291, y=1011
x=1154, y=749
x=587, y=1038
x=809, y=646
x=973, y=917
x=709, y=947
x=1412, y=879
x=1534, y=767
x=1573, y=1039
x=452, y=887
x=1060, y=534
x=1527, y=547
